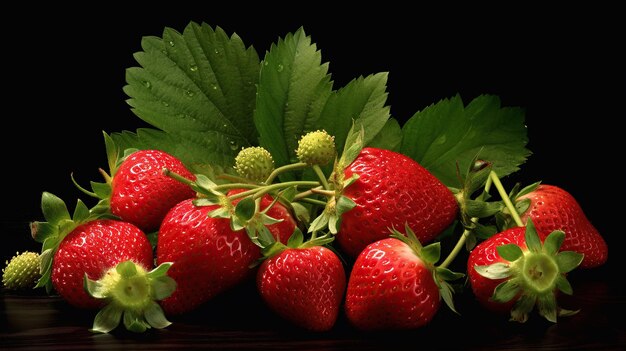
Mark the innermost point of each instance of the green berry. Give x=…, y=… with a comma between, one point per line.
x=254, y=163
x=316, y=148
x=22, y=271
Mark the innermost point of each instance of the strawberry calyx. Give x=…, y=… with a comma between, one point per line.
x=533, y=274
x=131, y=292
x=430, y=254
x=59, y=223
x=270, y=247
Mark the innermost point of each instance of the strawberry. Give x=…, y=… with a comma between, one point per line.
x=391, y=190
x=303, y=282
x=395, y=285
x=552, y=208
x=209, y=256
x=514, y=271
x=136, y=190
x=91, y=260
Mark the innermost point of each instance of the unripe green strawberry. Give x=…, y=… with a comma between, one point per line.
x=254, y=163
x=316, y=148
x=22, y=271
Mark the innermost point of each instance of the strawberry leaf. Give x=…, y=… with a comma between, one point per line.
x=362, y=101
x=447, y=133
x=198, y=90
x=390, y=137
x=293, y=88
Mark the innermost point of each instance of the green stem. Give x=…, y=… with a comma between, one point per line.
x=285, y=168
x=178, y=177
x=321, y=176
x=262, y=190
x=236, y=186
x=505, y=198
x=313, y=201
x=461, y=242
x=305, y=193
x=232, y=178
x=327, y=193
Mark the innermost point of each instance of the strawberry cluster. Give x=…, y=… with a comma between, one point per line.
x=357, y=233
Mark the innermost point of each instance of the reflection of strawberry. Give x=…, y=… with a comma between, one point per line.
x=513, y=271
x=304, y=285
x=208, y=256
x=552, y=208
x=392, y=190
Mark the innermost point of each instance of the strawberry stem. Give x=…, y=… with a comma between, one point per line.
x=321, y=176
x=285, y=168
x=505, y=198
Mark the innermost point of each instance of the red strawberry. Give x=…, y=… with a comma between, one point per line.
x=142, y=194
x=552, y=208
x=208, y=256
x=89, y=260
x=393, y=284
x=304, y=284
x=513, y=271
x=92, y=248
x=136, y=190
x=392, y=190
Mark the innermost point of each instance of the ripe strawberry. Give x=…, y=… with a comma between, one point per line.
x=89, y=260
x=392, y=190
x=92, y=248
x=552, y=208
x=394, y=284
x=303, y=283
x=513, y=271
x=208, y=256
x=136, y=190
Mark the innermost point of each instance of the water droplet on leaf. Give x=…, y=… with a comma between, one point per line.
x=147, y=84
x=171, y=43
x=165, y=103
x=189, y=93
x=193, y=68
x=279, y=68
x=233, y=145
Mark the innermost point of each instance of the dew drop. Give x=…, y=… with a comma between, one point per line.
x=193, y=68
x=214, y=87
x=279, y=68
x=216, y=51
x=233, y=145
x=171, y=43
x=265, y=63
x=189, y=93
x=147, y=84
x=165, y=103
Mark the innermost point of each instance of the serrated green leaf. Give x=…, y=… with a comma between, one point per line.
x=510, y=252
x=198, y=88
x=447, y=132
x=390, y=137
x=293, y=88
x=362, y=101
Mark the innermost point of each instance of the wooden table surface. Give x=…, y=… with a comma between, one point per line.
x=239, y=320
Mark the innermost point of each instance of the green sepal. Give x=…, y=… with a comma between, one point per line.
x=510, y=252
x=296, y=239
x=320, y=222
x=344, y=204
x=245, y=209
x=41, y=231
x=546, y=304
x=155, y=316
x=107, y=319
x=567, y=313
x=220, y=212
x=353, y=145
x=563, y=285
x=267, y=220
x=445, y=291
x=334, y=221
x=484, y=231
x=126, y=269
x=204, y=201
x=81, y=212
x=482, y=209
x=527, y=189
x=431, y=253
x=442, y=276
x=288, y=194
x=522, y=308
x=353, y=178
x=53, y=208
x=532, y=238
x=302, y=213
x=506, y=291
x=553, y=242
x=101, y=190
x=568, y=260
x=448, y=275
x=494, y=271
x=134, y=322
x=522, y=206
x=153, y=238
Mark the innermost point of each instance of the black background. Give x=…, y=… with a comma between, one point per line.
x=63, y=73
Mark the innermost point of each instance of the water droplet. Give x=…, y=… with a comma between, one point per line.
x=224, y=126
x=279, y=68
x=165, y=103
x=233, y=145
x=193, y=68
x=217, y=51
x=214, y=87
x=265, y=63
x=171, y=43
x=147, y=84
x=189, y=93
